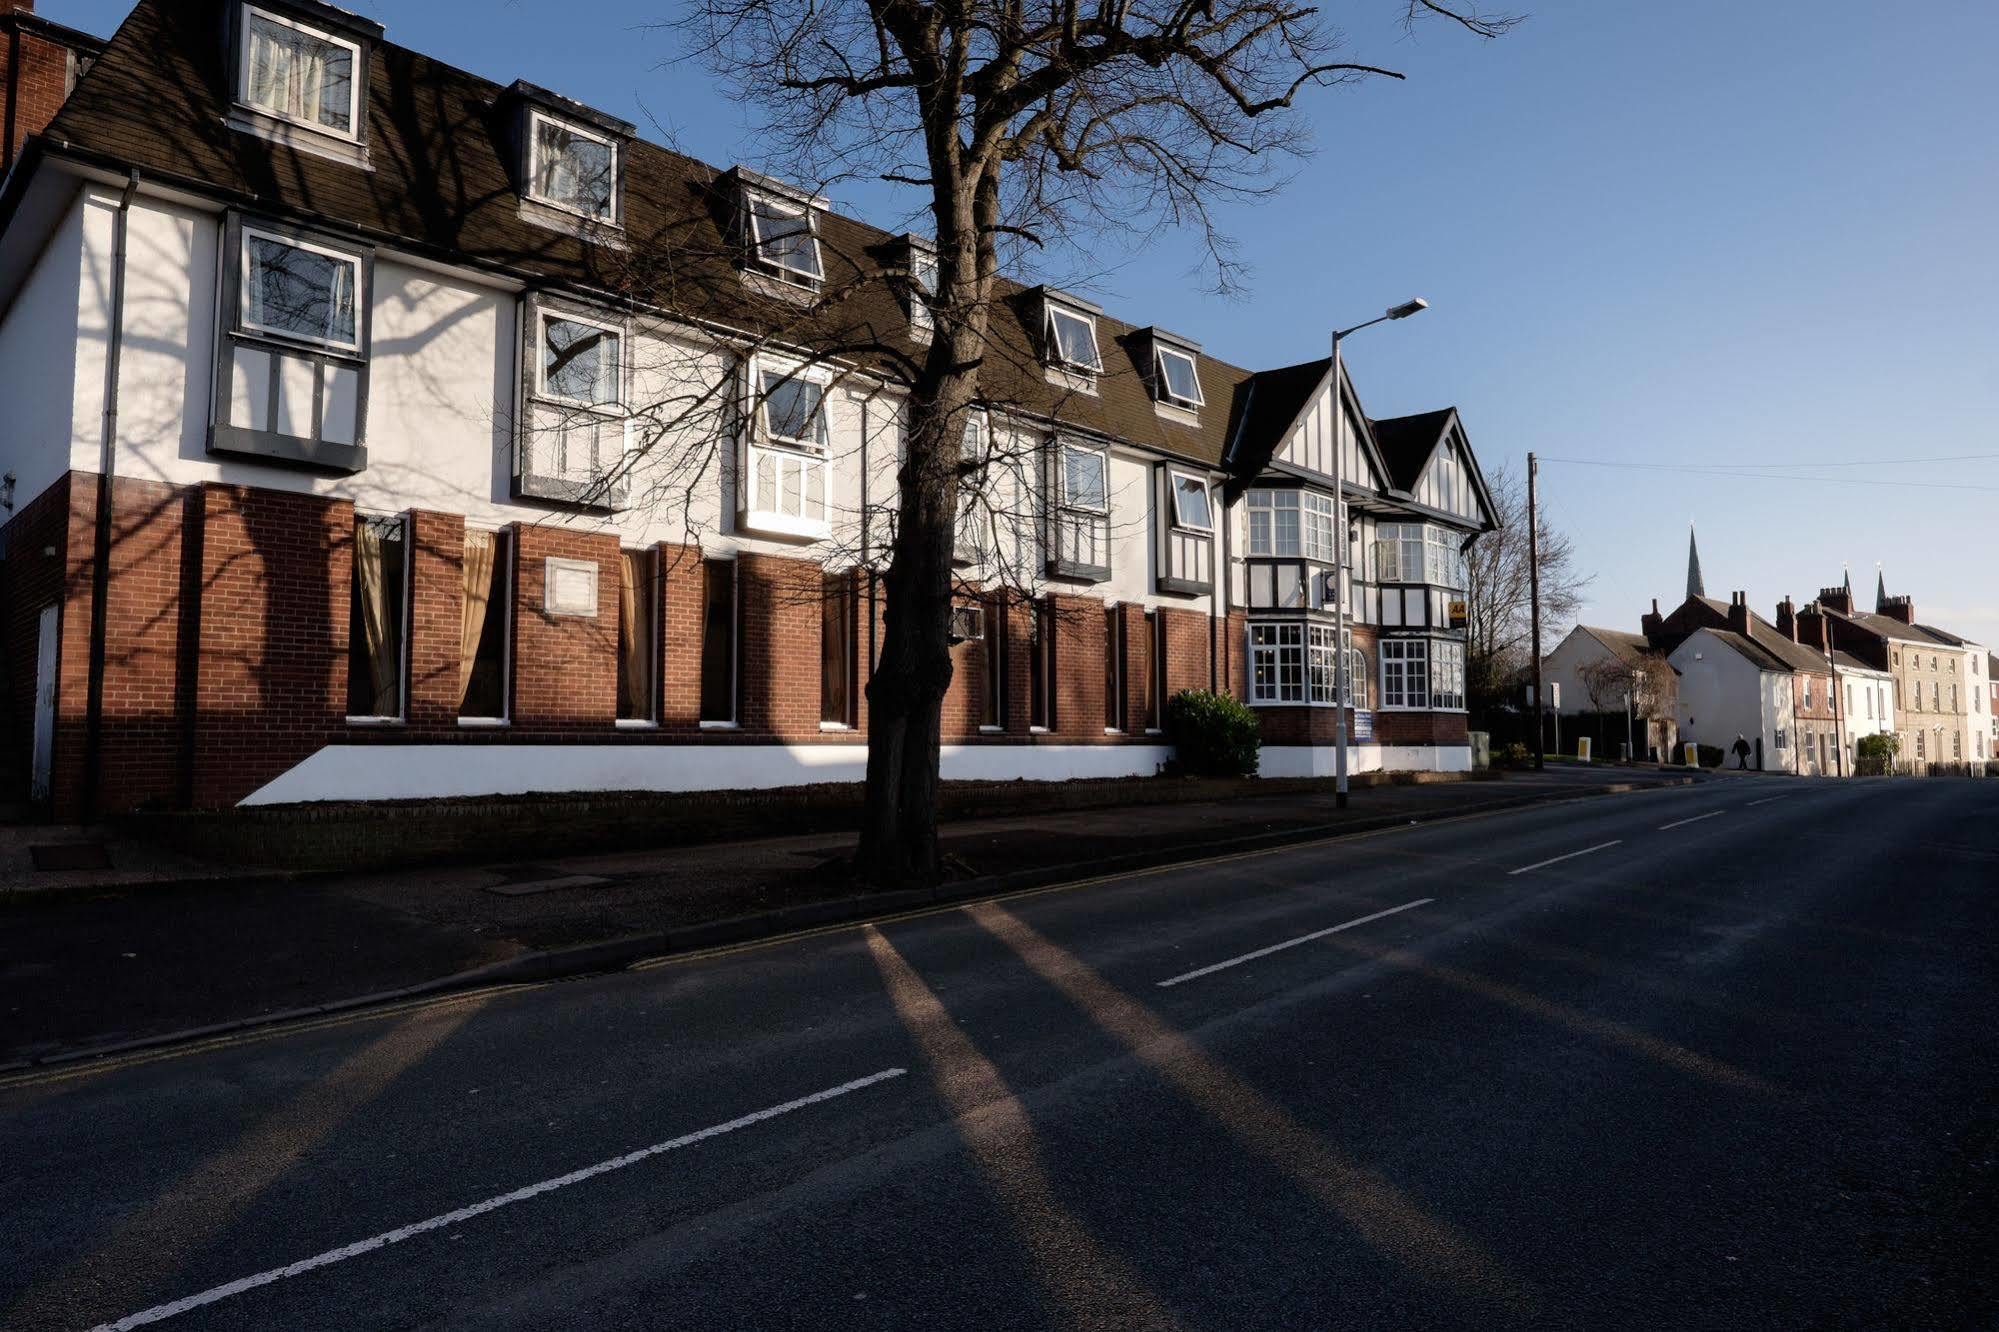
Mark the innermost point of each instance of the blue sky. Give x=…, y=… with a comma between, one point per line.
x=1745, y=236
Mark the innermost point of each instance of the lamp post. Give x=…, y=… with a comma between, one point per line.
x=1343, y=543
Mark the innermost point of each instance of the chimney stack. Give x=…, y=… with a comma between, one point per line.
x=1738, y=615
x=1812, y=628
x=1837, y=599
x=1900, y=608
x=1787, y=619
x=1652, y=624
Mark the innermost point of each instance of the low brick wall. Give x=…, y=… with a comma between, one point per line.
x=382, y=835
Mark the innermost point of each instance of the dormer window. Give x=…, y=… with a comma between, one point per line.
x=1072, y=340
x=783, y=240
x=301, y=73
x=572, y=168
x=1174, y=372
x=922, y=288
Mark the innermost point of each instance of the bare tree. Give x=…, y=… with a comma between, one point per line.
x=1021, y=124
x=1498, y=631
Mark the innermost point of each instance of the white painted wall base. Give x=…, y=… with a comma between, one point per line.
x=418, y=771
x=1319, y=760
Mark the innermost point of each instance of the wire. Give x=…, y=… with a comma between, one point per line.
x=1705, y=470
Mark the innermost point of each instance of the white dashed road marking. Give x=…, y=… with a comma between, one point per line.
x=1543, y=864
x=1291, y=943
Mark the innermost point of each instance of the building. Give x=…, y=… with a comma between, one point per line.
x=1608, y=670
x=340, y=464
x=39, y=64
x=1992, y=706
x=1934, y=672
x=1750, y=679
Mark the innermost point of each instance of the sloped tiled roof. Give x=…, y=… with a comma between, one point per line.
x=1889, y=627
x=442, y=183
x=1630, y=648
x=1266, y=405
x=1407, y=443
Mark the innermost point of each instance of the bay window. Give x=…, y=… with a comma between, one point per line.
x=575, y=434
x=300, y=73
x=785, y=456
x=1079, y=512
x=1324, y=663
x=1419, y=553
x=1291, y=523
x=572, y=168
x=291, y=383
x=1447, y=676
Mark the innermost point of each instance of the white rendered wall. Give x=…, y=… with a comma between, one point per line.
x=38, y=370
x=406, y=772
x=1723, y=695
x=1321, y=760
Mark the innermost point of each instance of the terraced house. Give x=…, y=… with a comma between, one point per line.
x=377, y=430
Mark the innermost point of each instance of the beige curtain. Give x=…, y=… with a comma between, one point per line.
x=378, y=617
x=635, y=635
x=479, y=549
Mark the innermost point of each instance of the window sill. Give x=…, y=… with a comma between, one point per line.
x=781, y=289
x=1076, y=381
x=720, y=725
x=272, y=128
x=1039, y=730
x=478, y=723
x=636, y=724
x=374, y=721
x=1113, y=730
x=570, y=222
x=992, y=730
x=783, y=525
x=835, y=726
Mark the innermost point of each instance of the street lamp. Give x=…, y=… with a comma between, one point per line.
x=1342, y=575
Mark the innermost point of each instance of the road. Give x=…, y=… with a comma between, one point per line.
x=1718, y=1056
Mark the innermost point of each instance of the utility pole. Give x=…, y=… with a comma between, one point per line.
x=1838, y=721
x=1534, y=599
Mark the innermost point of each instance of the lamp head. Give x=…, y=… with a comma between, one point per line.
x=1407, y=308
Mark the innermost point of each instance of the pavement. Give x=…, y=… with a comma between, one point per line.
x=145, y=954
x=1717, y=1056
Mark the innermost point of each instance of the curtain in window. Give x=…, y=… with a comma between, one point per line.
x=298, y=75
x=379, y=618
x=479, y=549
x=635, y=635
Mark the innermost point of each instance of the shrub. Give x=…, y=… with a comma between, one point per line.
x=1214, y=735
x=1710, y=755
x=1515, y=755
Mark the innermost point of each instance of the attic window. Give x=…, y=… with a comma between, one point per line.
x=1072, y=340
x=1178, y=382
x=300, y=73
x=572, y=168
x=922, y=289
x=782, y=239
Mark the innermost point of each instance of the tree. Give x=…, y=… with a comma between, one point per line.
x=1498, y=629
x=1020, y=125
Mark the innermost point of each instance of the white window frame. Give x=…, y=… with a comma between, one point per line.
x=1447, y=667
x=1070, y=502
x=611, y=217
x=1180, y=519
x=358, y=262
x=1282, y=638
x=765, y=366
x=353, y=131
x=1160, y=352
x=1270, y=503
x=1322, y=662
x=1056, y=310
x=754, y=199
x=1411, y=658
x=1318, y=517
x=542, y=391
x=974, y=445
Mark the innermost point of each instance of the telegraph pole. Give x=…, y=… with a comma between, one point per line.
x=1534, y=599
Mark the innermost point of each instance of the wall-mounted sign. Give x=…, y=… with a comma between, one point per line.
x=569, y=587
x=1363, y=725
x=1459, y=615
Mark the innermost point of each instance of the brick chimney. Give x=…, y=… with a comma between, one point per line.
x=1900, y=608
x=1811, y=628
x=1787, y=619
x=1837, y=599
x=39, y=61
x=1652, y=624
x=1738, y=615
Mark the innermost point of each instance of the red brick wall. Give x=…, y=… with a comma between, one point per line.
x=32, y=86
x=1821, y=708
x=680, y=664
x=1079, y=668
x=1421, y=728
x=277, y=571
x=778, y=600
x=437, y=633
x=565, y=667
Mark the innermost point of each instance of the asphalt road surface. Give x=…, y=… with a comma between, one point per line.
x=1721, y=1056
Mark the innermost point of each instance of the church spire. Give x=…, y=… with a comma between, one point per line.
x=1880, y=589
x=1695, y=586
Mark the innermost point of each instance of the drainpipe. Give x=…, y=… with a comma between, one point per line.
x=100, y=558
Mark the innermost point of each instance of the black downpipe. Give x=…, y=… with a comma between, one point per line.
x=100, y=556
